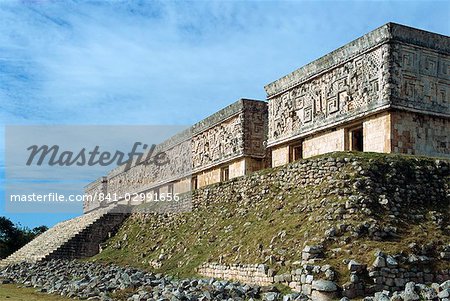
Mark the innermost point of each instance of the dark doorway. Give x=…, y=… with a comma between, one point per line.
x=357, y=139
x=194, y=183
x=156, y=194
x=170, y=189
x=295, y=152
x=225, y=174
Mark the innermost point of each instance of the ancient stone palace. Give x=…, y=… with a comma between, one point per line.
x=387, y=91
x=226, y=145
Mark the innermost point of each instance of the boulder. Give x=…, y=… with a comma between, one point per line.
x=355, y=266
x=324, y=285
x=379, y=262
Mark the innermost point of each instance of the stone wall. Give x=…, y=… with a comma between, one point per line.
x=183, y=185
x=280, y=155
x=237, y=168
x=419, y=134
x=241, y=131
x=255, y=164
x=184, y=204
x=377, y=136
x=299, y=280
x=324, y=143
x=256, y=129
x=234, y=137
x=346, y=205
x=95, y=190
x=345, y=91
x=208, y=177
x=385, y=274
x=377, y=133
x=251, y=273
x=420, y=78
x=393, y=131
x=143, y=177
x=389, y=68
x=219, y=143
x=375, y=177
x=427, y=184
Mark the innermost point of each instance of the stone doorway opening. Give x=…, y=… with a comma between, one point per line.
x=296, y=151
x=356, y=137
x=194, y=183
x=224, y=173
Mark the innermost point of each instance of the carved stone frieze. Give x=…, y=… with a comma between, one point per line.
x=355, y=86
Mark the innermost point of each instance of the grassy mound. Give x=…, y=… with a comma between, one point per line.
x=351, y=203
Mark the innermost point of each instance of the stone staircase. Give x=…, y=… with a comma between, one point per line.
x=75, y=238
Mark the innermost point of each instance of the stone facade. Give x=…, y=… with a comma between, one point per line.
x=140, y=179
x=324, y=143
x=388, y=91
x=233, y=140
x=420, y=134
x=377, y=133
x=393, y=79
x=96, y=190
x=227, y=144
x=347, y=90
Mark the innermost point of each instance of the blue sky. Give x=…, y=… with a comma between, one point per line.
x=142, y=62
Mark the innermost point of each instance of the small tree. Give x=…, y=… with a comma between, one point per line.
x=39, y=230
x=13, y=237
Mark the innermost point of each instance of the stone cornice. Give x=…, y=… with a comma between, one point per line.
x=387, y=33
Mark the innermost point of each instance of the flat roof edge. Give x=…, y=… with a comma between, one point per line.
x=383, y=34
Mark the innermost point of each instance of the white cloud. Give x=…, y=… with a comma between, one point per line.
x=167, y=62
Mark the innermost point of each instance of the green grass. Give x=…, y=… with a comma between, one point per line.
x=284, y=289
x=272, y=230
x=11, y=292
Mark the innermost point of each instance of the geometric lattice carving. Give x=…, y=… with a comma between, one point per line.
x=348, y=87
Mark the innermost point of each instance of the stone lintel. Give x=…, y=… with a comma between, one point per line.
x=326, y=127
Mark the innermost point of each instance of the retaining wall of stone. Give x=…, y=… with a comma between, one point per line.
x=248, y=273
x=367, y=186
x=311, y=279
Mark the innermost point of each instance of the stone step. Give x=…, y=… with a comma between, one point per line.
x=75, y=238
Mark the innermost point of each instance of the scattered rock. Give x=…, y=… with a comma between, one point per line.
x=379, y=262
x=355, y=266
x=324, y=285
